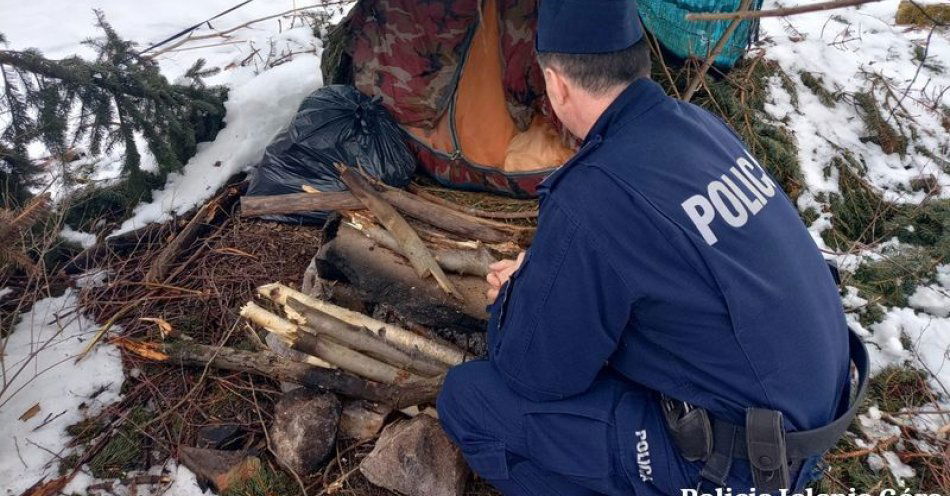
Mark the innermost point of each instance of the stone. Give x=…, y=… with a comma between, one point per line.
x=416, y=458
x=221, y=469
x=304, y=430
x=362, y=420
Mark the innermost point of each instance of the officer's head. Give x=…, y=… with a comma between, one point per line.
x=589, y=51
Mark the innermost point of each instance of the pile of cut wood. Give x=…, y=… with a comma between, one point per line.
x=389, y=242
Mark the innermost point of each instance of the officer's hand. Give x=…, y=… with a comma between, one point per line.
x=499, y=273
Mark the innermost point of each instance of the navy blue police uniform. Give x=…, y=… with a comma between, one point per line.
x=666, y=261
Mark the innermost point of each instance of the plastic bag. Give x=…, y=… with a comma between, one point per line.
x=335, y=124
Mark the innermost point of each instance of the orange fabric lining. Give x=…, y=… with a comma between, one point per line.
x=486, y=132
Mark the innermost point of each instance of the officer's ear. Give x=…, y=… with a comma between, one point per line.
x=557, y=87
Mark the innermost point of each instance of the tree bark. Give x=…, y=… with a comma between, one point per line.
x=383, y=276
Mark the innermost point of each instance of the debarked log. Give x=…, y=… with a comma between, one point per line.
x=271, y=365
x=404, y=339
x=383, y=276
x=361, y=339
x=329, y=350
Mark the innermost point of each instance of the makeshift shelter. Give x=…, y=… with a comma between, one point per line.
x=461, y=79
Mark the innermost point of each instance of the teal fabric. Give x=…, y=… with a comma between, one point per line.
x=666, y=19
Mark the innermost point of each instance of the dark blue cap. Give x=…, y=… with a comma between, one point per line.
x=587, y=26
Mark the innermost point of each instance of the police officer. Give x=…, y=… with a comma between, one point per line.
x=673, y=324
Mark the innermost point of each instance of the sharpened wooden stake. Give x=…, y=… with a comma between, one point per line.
x=328, y=350
x=360, y=339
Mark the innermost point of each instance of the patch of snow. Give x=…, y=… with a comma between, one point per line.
x=176, y=480
x=899, y=469
x=81, y=238
x=851, y=300
x=929, y=337
x=39, y=369
x=848, y=48
x=4, y=292
x=256, y=112
x=92, y=278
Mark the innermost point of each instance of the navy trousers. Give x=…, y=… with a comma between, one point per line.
x=609, y=440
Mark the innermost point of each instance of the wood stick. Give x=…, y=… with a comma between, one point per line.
x=461, y=261
x=406, y=340
x=410, y=244
x=428, y=212
x=711, y=57
x=780, y=12
x=274, y=366
x=259, y=206
x=361, y=339
x=465, y=225
x=161, y=265
x=276, y=325
x=330, y=351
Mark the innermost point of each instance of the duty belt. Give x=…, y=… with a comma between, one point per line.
x=763, y=440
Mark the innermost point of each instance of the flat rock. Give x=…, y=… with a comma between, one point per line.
x=362, y=419
x=416, y=458
x=304, y=430
x=222, y=469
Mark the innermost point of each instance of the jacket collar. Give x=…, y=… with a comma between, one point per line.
x=637, y=98
x=640, y=96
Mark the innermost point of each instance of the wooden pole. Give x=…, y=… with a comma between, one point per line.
x=274, y=366
x=780, y=12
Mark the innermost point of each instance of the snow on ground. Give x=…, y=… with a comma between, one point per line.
x=270, y=67
x=44, y=391
x=847, y=48
x=81, y=238
x=257, y=111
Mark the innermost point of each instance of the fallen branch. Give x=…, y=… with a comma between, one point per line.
x=360, y=339
x=444, y=218
x=410, y=245
x=273, y=366
x=406, y=340
x=461, y=261
x=276, y=325
x=161, y=265
x=780, y=12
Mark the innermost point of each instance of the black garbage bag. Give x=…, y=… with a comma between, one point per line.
x=335, y=124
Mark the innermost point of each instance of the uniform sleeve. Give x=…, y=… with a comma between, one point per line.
x=561, y=315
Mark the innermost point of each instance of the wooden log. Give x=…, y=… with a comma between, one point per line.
x=383, y=276
x=406, y=340
x=329, y=350
x=411, y=205
x=273, y=366
x=293, y=203
x=280, y=327
x=460, y=261
x=362, y=340
x=410, y=245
